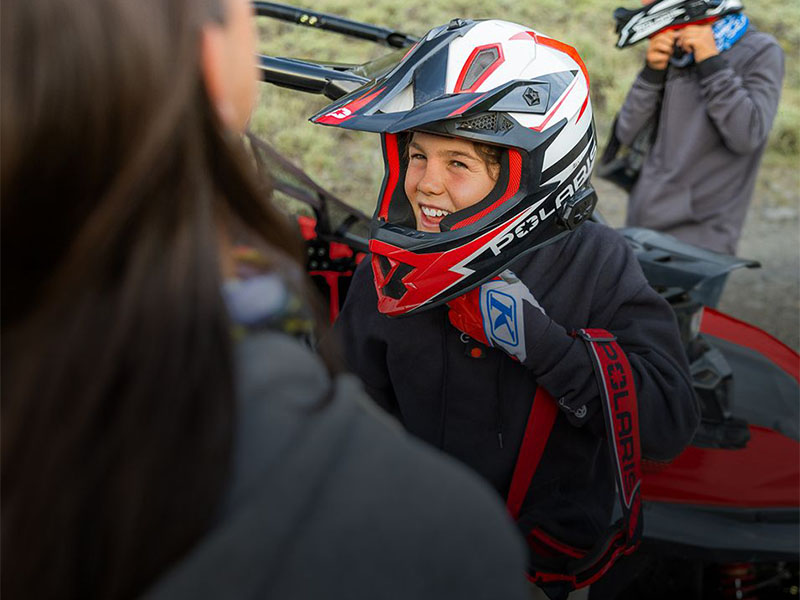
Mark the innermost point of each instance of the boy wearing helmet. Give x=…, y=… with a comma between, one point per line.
x=479, y=244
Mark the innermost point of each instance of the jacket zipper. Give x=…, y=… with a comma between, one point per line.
x=499, y=402
x=443, y=392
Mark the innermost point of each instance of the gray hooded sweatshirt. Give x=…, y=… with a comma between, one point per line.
x=697, y=181
x=330, y=499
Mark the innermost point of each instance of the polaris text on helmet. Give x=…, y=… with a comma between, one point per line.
x=492, y=82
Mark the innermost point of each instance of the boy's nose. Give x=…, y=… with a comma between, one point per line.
x=432, y=180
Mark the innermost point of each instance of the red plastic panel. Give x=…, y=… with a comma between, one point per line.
x=766, y=473
x=733, y=330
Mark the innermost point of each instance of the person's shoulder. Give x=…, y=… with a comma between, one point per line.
x=758, y=39
x=324, y=483
x=280, y=367
x=582, y=250
x=757, y=52
x=595, y=242
x=756, y=42
x=598, y=233
x=602, y=253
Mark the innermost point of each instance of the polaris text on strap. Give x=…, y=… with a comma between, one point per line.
x=621, y=418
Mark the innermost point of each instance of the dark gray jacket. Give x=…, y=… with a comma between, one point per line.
x=420, y=369
x=698, y=179
x=330, y=499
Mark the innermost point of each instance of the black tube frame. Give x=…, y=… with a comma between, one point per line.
x=311, y=18
x=307, y=76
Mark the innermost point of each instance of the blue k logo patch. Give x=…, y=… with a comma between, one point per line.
x=501, y=304
x=502, y=312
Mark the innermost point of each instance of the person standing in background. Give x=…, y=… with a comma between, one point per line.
x=717, y=103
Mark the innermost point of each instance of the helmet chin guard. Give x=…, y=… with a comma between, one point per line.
x=490, y=82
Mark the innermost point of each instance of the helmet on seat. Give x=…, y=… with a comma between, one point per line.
x=490, y=82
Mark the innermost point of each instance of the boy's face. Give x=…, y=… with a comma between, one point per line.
x=444, y=175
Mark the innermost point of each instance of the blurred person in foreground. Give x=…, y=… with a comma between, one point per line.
x=718, y=98
x=164, y=432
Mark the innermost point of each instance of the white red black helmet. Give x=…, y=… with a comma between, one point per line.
x=492, y=82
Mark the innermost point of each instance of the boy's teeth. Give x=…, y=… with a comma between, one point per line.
x=434, y=212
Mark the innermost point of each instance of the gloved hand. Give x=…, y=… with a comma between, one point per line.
x=493, y=313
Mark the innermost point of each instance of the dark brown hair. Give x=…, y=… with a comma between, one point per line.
x=118, y=404
x=489, y=154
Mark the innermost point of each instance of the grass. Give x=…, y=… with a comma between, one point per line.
x=349, y=163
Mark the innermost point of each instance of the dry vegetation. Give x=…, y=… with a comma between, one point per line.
x=349, y=163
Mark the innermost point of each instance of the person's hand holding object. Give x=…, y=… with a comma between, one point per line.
x=698, y=39
x=660, y=49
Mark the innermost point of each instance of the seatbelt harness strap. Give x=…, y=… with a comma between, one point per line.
x=620, y=414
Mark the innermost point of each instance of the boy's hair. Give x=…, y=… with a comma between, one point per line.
x=491, y=155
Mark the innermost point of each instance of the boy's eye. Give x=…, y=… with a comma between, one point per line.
x=417, y=156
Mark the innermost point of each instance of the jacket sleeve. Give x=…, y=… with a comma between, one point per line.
x=645, y=326
x=743, y=106
x=640, y=104
x=365, y=352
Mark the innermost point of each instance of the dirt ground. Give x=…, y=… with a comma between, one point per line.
x=768, y=297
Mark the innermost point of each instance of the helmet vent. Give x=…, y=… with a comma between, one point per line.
x=481, y=62
x=385, y=265
x=487, y=122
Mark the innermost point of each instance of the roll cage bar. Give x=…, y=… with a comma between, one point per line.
x=328, y=79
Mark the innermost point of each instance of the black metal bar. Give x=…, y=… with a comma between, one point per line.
x=311, y=18
x=308, y=77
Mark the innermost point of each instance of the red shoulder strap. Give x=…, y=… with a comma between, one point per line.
x=537, y=431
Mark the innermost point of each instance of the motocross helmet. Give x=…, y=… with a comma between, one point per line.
x=491, y=82
x=635, y=25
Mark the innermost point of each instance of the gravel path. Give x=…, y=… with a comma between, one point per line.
x=768, y=297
